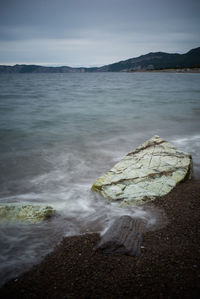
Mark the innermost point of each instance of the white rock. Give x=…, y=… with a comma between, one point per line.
x=152, y=170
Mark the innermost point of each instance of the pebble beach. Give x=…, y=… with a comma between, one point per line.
x=168, y=266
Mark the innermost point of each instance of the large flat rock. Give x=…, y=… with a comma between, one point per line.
x=152, y=170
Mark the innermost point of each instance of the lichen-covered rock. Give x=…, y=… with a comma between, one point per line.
x=25, y=213
x=152, y=170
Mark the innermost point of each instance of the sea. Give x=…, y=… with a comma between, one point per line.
x=59, y=132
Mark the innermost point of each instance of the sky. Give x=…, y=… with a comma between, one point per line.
x=94, y=32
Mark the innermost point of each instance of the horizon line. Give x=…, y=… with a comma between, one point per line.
x=55, y=64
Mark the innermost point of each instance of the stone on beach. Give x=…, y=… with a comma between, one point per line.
x=25, y=212
x=151, y=171
x=124, y=236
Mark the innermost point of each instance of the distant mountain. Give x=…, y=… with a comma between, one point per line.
x=151, y=61
x=157, y=61
x=25, y=68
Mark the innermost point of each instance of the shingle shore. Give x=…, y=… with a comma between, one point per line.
x=169, y=265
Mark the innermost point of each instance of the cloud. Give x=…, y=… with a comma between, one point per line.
x=95, y=32
x=86, y=52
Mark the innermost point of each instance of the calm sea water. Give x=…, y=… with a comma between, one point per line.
x=59, y=132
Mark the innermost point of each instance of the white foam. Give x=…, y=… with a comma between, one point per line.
x=66, y=186
x=24, y=198
x=185, y=140
x=191, y=145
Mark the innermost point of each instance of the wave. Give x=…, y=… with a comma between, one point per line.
x=190, y=144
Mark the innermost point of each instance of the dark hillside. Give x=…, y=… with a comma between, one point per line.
x=151, y=61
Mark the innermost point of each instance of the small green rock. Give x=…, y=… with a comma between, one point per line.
x=25, y=213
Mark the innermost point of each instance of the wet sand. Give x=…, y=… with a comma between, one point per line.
x=168, y=267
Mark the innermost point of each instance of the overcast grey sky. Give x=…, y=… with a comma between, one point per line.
x=95, y=32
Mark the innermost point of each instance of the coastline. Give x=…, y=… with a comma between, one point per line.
x=167, y=268
x=172, y=70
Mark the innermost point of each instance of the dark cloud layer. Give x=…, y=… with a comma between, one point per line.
x=86, y=32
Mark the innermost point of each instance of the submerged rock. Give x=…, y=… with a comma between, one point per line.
x=25, y=213
x=152, y=170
